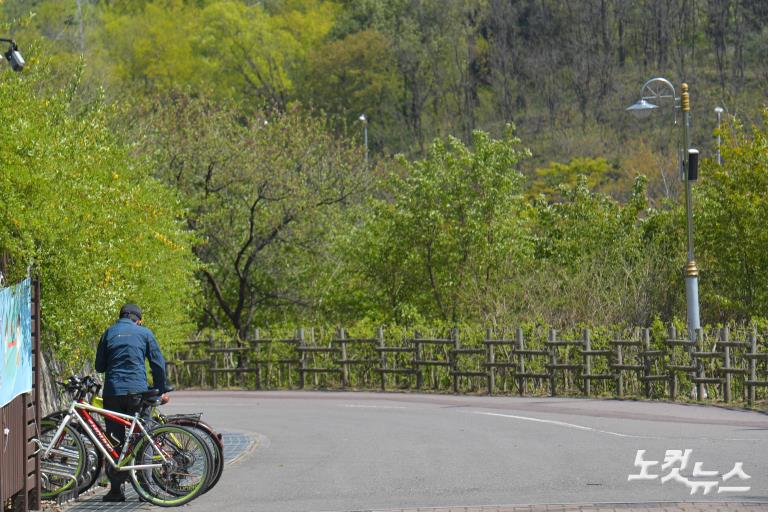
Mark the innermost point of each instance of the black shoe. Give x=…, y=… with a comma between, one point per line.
x=114, y=497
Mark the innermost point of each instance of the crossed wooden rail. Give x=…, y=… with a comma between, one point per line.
x=555, y=365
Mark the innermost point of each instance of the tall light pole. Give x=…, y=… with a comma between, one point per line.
x=364, y=120
x=658, y=90
x=718, y=111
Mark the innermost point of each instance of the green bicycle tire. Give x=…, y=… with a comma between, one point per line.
x=207, y=434
x=75, y=462
x=95, y=460
x=183, y=478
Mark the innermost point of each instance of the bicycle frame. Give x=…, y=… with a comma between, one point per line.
x=80, y=411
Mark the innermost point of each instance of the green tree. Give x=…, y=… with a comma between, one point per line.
x=246, y=53
x=152, y=48
x=601, y=261
x=731, y=214
x=450, y=221
x=356, y=75
x=263, y=197
x=87, y=217
x=599, y=175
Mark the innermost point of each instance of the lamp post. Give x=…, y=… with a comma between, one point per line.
x=13, y=55
x=658, y=90
x=718, y=111
x=364, y=120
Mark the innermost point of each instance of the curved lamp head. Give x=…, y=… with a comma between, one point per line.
x=363, y=118
x=642, y=109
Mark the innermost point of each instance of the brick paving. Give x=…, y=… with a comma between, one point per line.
x=236, y=445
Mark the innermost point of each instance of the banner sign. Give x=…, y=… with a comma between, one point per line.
x=15, y=341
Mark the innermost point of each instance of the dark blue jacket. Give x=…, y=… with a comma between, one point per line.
x=121, y=354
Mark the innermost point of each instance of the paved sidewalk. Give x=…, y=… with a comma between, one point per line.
x=603, y=507
x=236, y=445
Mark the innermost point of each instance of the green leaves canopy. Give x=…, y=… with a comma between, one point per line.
x=449, y=224
x=87, y=217
x=730, y=226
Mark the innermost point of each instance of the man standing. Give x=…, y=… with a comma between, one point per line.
x=122, y=350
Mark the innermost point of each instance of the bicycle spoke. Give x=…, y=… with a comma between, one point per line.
x=182, y=475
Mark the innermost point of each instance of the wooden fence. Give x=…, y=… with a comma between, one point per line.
x=719, y=365
x=19, y=464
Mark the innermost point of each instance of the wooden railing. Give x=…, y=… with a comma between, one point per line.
x=717, y=364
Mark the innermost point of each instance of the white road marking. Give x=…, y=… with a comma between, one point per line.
x=618, y=434
x=560, y=424
x=360, y=406
x=556, y=423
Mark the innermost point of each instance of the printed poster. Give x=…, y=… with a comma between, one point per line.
x=15, y=341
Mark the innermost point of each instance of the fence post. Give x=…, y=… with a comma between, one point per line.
x=553, y=362
x=382, y=357
x=587, y=364
x=647, y=362
x=256, y=359
x=752, y=367
x=344, y=363
x=212, y=343
x=454, y=359
x=302, y=358
x=698, y=363
x=520, y=361
x=619, y=373
x=672, y=374
x=490, y=355
x=725, y=336
x=416, y=359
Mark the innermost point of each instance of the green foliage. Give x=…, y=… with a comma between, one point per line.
x=225, y=48
x=357, y=75
x=153, y=48
x=731, y=215
x=451, y=221
x=86, y=216
x=293, y=222
x=264, y=199
x=598, y=175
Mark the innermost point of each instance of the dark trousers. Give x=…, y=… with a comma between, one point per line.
x=125, y=404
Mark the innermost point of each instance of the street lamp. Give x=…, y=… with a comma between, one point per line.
x=364, y=120
x=658, y=90
x=13, y=55
x=718, y=111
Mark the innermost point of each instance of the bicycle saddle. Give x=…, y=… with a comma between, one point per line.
x=148, y=397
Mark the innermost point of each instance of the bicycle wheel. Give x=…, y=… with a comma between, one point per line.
x=62, y=470
x=211, y=438
x=95, y=460
x=182, y=477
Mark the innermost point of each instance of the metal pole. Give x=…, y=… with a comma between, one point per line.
x=718, y=111
x=364, y=120
x=691, y=270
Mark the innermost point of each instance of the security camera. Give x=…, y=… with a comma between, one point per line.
x=13, y=55
x=15, y=58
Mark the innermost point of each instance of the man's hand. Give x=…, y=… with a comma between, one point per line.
x=164, y=399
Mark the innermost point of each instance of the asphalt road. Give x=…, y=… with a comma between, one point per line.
x=332, y=451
